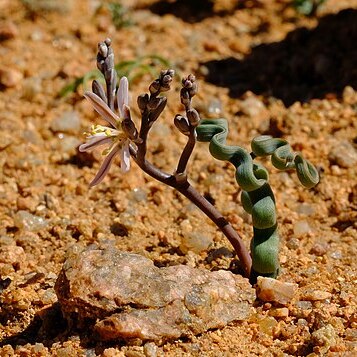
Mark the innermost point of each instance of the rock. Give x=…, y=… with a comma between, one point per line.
x=272, y=290
x=155, y=304
x=150, y=349
x=279, y=312
x=305, y=209
x=293, y=243
x=44, y=6
x=10, y=77
x=343, y=154
x=319, y=249
x=68, y=143
x=214, y=108
x=13, y=256
x=252, y=106
x=68, y=122
x=29, y=222
x=196, y=242
x=300, y=228
x=315, y=295
x=267, y=325
x=31, y=87
x=8, y=30
x=323, y=339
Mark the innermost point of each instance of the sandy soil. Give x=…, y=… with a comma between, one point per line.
x=259, y=69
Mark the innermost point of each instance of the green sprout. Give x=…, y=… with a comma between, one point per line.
x=132, y=69
x=120, y=15
x=307, y=7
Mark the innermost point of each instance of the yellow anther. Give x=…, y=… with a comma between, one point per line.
x=105, y=151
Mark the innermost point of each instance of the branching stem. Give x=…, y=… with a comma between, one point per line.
x=187, y=151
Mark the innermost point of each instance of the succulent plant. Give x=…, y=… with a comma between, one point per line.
x=123, y=138
x=257, y=196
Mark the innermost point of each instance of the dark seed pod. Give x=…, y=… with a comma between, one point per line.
x=182, y=124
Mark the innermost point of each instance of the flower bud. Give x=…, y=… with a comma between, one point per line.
x=193, y=117
x=153, y=103
x=129, y=128
x=142, y=101
x=155, y=113
x=185, y=97
x=103, y=49
x=109, y=61
x=182, y=124
x=154, y=87
x=98, y=90
x=190, y=84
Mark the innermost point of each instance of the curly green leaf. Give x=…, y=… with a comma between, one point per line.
x=257, y=196
x=284, y=158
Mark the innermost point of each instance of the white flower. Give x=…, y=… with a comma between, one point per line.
x=112, y=136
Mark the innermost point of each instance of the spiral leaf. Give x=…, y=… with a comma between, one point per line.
x=257, y=196
x=283, y=158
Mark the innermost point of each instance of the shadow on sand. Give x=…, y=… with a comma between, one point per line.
x=307, y=64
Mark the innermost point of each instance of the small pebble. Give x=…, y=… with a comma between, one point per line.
x=343, y=154
x=302, y=322
x=214, y=107
x=319, y=249
x=267, y=325
x=279, y=312
x=29, y=222
x=293, y=243
x=68, y=143
x=315, y=295
x=300, y=228
x=138, y=195
x=6, y=240
x=325, y=337
x=36, y=35
x=305, y=209
x=39, y=348
x=150, y=349
x=252, y=106
x=10, y=77
x=195, y=242
x=68, y=122
x=304, y=305
x=13, y=256
x=336, y=255
x=48, y=297
x=31, y=87
x=269, y=289
x=8, y=30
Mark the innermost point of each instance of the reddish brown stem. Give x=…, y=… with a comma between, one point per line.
x=182, y=185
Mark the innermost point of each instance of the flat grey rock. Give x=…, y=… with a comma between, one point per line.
x=125, y=296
